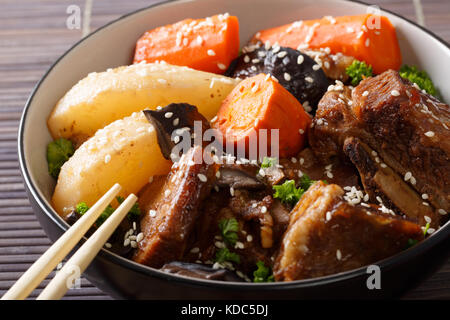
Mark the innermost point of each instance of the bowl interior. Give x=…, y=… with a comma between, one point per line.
x=113, y=46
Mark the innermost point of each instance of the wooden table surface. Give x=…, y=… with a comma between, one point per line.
x=33, y=34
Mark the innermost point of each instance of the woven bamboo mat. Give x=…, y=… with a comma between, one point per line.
x=33, y=34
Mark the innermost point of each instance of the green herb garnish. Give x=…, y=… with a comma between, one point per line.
x=228, y=229
x=427, y=226
x=134, y=212
x=82, y=208
x=411, y=243
x=306, y=182
x=263, y=273
x=224, y=255
x=421, y=78
x=287, y=192
x=358, y=71
x=268, y=162
x=58, y=152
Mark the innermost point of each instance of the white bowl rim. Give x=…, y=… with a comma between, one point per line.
x=388, y=263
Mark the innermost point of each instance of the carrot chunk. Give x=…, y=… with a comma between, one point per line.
x=369, y=38
x=258, y=103
x=205, y=44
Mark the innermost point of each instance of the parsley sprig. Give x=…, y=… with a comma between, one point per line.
x=262, y=273
x=82, y=208
x=58, y=152
x=224, y=255
x=289, y=193
x=268, y=162
x=228, y=229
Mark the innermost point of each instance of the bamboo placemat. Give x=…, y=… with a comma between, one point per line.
x=33, y=34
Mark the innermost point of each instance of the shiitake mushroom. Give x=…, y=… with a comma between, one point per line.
x=295, y=71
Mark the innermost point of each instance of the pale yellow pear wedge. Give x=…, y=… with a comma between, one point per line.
x=104, y=97
x=125, y=152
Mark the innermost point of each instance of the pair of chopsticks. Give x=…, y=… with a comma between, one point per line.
x=80, y=260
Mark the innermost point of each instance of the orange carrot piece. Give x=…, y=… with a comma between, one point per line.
x=205, y=44
x=367, y=37
x=260, y=102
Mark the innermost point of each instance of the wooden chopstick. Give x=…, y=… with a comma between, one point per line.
x=83, y=257
x=61, y=248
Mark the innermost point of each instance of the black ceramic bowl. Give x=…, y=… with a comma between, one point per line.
x=123, y=278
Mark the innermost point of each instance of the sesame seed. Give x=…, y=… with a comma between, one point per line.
x=301, y=131
x=211, y=52
x=263, y=209
x=275, y=49
x=253, y=68
x=246, y=59
x=195, y=250
x=315, y=67
x=176, y=122
x=267, y=45
x=408, y=176
x=309, y=79
x=126, y=242
x=426, y=204
x=442, y=212
x=287, y=76
x=261, y=172
x=133, y=244
x=202, y=177
x=395, y=93
x=367, y=43
x=219, y=244
x=413, y=180
x=338, y=254
x=152, y=213
x=427, y=219
x=429, y=134
x=383, y=165
x=294, y=160
x=431, y=230
x=232, y=191
x=168, y=115
x=281, y=54
x=167, y=193
x=424, y=196
x=328, y=216
x=300, y=59
x=255, y=61
x=249, y=238
x=329, y=175
x=239, y=245
x=365, y=93
x=139, y=237
x=108, y=245
x=221, y=66
x=107, y=158
x=218, y=174
x=199, y=40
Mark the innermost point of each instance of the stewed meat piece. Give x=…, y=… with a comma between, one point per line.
x=172, y=216
x=405, y=129
x=327, y=235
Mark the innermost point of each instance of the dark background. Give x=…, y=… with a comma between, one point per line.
x=33, y=34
